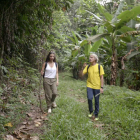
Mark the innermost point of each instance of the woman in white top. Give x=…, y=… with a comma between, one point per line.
x=50, y=82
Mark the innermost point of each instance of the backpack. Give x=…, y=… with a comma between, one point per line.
x=46, y=66
x=98, y=69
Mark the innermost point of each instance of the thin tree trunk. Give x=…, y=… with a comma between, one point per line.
x=113, y=65
x=122, y=78
x=2, y=51
x=2, y=48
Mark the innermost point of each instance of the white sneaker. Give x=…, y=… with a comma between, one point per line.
x=49, y=110
x=54, y=104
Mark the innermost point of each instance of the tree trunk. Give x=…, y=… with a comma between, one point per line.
x=122, y=78
x=1, y=59
x=2, y=51
x=2, y=48
x=113, y=65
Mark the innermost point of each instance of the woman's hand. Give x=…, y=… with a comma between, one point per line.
x=42, y=72
x=57, y=83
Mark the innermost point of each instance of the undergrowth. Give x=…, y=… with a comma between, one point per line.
x=118, y=117
x=16, y=91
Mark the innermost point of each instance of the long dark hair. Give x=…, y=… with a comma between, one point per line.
x=48, y=56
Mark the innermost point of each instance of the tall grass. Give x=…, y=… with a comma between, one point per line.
x=119, y=114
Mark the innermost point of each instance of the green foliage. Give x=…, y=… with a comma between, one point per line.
x=119, y=113
x=71, y=114
x=19, y=84
x=122, y=114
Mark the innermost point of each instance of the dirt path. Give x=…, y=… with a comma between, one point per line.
x=30, y=127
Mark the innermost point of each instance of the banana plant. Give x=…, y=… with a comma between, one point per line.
x=81, y=49
x=115, y=25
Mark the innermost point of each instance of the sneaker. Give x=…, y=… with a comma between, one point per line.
x=54, y=104
x=49, y=110
x=96, y=119
x=90, y=115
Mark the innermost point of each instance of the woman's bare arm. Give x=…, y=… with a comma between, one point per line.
x=43, y=67
x=57, y=80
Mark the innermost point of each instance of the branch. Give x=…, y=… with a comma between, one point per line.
x=122, y=61
x=130, y=33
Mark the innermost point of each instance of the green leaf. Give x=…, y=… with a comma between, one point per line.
x=129, y=2
x=109, y=51
x=83, y=42
x=87, y=49
x=96, y=45
x=78, y=35
x=81, y=57
x=95, y=16
x=101, y=29
x=109, y=40
x=1, y=91
x=71, y=39
x=131, y=45
x=126, y=39
x=106, y=14
x=4, y=69
x=74, y=53
x=125, y=29
x=133, y=54
x=76, y=40
x=97, y=37
x=119, y=10
x=127, y=16
x=131, y=23
x=109, y=26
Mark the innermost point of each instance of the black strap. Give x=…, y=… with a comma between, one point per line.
x=88, y=68
x=98, y=68
x=46, y=66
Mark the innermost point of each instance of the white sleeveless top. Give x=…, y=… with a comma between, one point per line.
x=50, y=72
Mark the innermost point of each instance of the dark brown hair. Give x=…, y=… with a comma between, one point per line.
x=48, y=56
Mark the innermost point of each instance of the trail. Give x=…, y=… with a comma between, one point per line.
x=35, y=124
x=69, y=121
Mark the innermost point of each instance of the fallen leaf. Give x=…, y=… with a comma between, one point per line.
x=71, y=89
x=21, y=127
x=42, y=117
x=8, y=125
x=31, y=127
x=2, y=115
x=45, y=114
x=23, y=135
x=9, y=137
x=24, y=123
x=34, y=138
x=37, y=120
x=45, y=119
x=29, y=123
x=37, y=124
x=29, y=114
x=24, y=132
x=99, y=125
